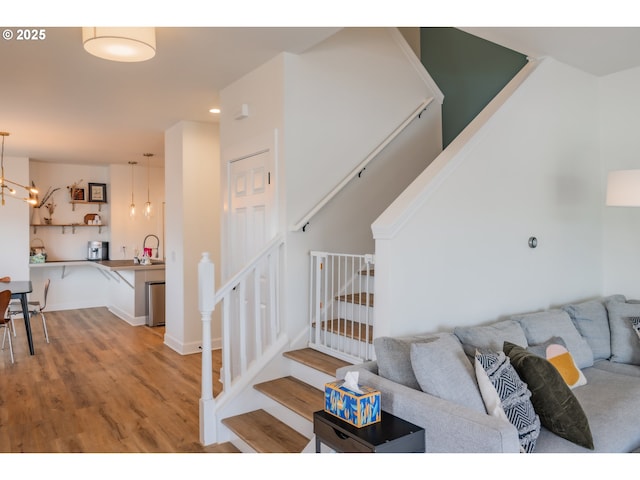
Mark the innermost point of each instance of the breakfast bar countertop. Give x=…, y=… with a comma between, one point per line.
x=110, y=265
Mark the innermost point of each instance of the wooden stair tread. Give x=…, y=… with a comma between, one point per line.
x=225, y=447
x=294, y=394
x=265, y=433
x=357, y=298
x=349, y=329
x=318, y=360
x=371, y=272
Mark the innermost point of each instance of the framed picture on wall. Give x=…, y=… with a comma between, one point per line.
x=77, y=194
x=97, y=192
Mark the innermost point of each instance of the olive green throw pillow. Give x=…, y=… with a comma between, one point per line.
x=553, y=401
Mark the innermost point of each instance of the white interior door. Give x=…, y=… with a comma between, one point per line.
x=250, y=207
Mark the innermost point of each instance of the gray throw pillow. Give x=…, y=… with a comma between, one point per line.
x=625, y=345
x=592, y=321
x=541, y=326
x=490, y=337
x=393, y=355
x=444, y=371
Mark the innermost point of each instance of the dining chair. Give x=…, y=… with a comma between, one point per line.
x=5, y=320
x=35, y=308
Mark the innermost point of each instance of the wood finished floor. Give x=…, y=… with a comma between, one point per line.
x=99, y=386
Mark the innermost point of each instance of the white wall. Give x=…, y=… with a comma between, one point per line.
x=129, y=232
x=14, y=217
x=532, y=170
x=344, y=97
x=334, y=104
x=192, y=179
x=620, y=147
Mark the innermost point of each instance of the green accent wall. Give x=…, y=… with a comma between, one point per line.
x=469, y=70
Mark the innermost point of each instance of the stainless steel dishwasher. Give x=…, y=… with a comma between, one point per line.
x=155, y=303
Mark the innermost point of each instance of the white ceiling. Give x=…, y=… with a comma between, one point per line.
x=61, y=104
x=597, y=50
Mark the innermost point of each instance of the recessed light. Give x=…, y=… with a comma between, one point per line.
x=214, y=110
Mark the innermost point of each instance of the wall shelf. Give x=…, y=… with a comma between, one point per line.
x=73, y=226
x=84, y=202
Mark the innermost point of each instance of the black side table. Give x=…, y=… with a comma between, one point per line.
x=390, y=435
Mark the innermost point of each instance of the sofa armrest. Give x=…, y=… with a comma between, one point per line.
x=448, y=427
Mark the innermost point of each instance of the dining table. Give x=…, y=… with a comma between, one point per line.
x=19, y=290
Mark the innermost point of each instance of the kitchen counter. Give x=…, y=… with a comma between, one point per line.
x=126, y=287
x=109, y=265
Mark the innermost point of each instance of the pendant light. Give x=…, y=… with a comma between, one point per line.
x=4, y=181
x=132, y=207
x=120, y=44
x=147, y=206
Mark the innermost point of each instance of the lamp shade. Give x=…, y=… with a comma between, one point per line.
x=121, y=44
x=623, y=188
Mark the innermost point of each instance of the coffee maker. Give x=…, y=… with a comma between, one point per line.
x=98, y=250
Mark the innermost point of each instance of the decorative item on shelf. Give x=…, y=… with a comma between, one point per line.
x=38, y=216
x=98, y=192
x=4, y=180
x=75, y=192
x=51, y=207
x=37, y=252
x=89, y=218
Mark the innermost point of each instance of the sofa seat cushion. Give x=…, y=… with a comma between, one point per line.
x=610, y=402
x=619, y=368
x=541, y=326
x=490, y=337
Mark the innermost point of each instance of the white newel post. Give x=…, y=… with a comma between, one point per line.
x=206, y=304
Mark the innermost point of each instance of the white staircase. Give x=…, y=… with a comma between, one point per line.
x=341, y=305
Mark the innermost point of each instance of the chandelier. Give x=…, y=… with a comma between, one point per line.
x=5, y=183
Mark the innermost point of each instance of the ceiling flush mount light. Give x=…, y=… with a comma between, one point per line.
x=623, y=188
x=120, y=44
x=147, y=206
x=132, y=207
x=5, y=184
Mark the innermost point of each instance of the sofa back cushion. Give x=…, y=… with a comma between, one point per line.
x=394, y=357
x=444, y=371
x=490, y=337
x=625, y=344
x=541, y=326
x=592, y=321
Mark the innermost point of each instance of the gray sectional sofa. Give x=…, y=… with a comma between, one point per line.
x=433, y=380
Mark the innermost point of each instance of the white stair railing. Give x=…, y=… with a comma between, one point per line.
x=341, y=305
x=357, y=171
x=250, y=328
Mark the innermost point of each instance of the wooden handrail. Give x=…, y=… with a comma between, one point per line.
x=302, y=223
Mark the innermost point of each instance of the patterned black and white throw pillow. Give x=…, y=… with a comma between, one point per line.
x=507, y=396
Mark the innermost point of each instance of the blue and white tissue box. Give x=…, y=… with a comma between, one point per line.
x=357, y=408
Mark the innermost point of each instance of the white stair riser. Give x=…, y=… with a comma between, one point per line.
x=350, y=311
x=350, y=346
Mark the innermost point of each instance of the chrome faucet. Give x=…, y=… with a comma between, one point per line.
x=144, y=243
